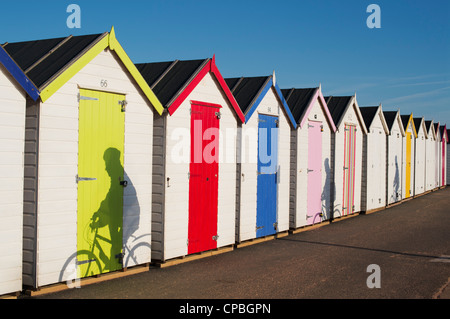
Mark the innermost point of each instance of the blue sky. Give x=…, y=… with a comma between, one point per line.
x=404, y=65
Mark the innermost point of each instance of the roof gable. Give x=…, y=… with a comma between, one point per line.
x=173, y=81
x=407, y=120
x=250, y=91
x=370, y=113
x=393, y=117
x=419, y=123
x=168, y=78
x=301, y=101
x=437, y=131
x=17, y=73
x=338, y=106
x=51, y=63
x=443, y=132
x=430, y=129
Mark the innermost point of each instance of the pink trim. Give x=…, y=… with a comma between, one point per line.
x=354, y=165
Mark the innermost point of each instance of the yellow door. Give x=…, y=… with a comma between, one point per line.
x=408, y=166
x=100, y=183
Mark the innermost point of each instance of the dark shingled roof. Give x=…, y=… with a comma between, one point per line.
x=405, y=119
x=336, y=106
x=436, y=128
x=245, y=89
x=417, y=121
x=43, y=59
x=442, y=130
x=368, y=114
x=389, y=116
x=428, y=125
x=298, y=100
x=167, y=78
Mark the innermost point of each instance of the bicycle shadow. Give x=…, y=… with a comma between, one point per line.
x=110, y=234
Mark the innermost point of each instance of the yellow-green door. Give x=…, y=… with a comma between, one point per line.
x=100, y=182
x=408, y=166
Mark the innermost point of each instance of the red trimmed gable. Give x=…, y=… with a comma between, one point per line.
x=209, y=67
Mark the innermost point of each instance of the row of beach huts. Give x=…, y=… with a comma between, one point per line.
x=106, y=164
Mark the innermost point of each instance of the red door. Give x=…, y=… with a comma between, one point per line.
x=203, y=177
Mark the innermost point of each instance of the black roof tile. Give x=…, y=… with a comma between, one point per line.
x=167, y=78
x=42, y=59
x=297, y=100
x=245, y=89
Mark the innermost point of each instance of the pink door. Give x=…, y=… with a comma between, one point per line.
x=314, y=202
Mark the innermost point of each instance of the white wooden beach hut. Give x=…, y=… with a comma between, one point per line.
x=194, y=171
x=448, y=159
x=264, y=158
x=88, y=168
x=395, y=157
x=15, y=89
x=444, y=141
x=347, y=149
x=430, y=154
x=408, y=161
x=420, y=156
x=438, y=156
x=374, y=167
x=311, y=157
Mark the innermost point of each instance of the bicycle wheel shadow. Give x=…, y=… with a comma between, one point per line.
x=113, y=233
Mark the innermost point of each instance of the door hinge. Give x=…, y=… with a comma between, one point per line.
x=309, y=170
x=275, y=225
x=259, y=227
x=277, y=123
x=309, y=125
x=86, y=98
x=218, y=115
x=83, y=179
x=215, y=237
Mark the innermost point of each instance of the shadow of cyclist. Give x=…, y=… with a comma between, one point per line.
x=109, y=213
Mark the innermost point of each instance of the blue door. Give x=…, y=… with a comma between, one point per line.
x=266, y=206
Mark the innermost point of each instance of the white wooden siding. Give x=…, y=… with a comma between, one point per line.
x=58, y=160
x=12, y=135
x=374, y=182
x=176, y=202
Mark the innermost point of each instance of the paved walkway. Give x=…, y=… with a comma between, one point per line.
x=409, y=243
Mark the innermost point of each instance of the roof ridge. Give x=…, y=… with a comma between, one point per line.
x=45, y=56
x=175, y=96
x=164, y=73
